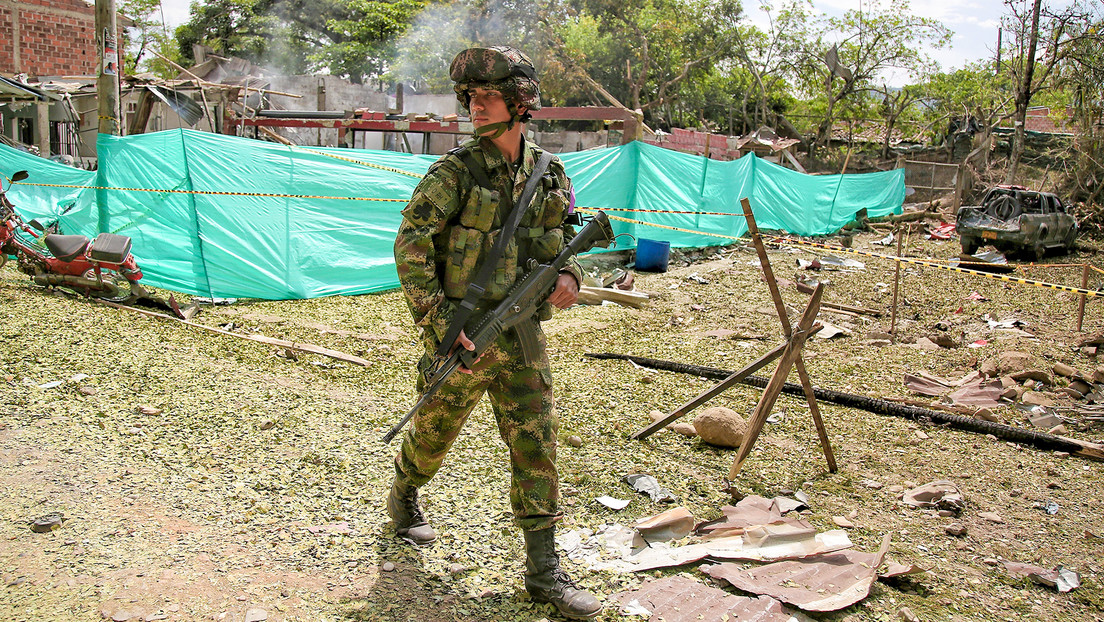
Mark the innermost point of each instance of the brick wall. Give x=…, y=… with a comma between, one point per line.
x=48, y=38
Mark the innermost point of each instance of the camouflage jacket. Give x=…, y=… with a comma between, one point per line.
x=451, y=223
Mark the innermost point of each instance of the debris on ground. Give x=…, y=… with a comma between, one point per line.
x=646, y=484
x=750, y=511
x=940, y=494
x=674, y=524
x=817, y=583
x=1061, y=578
x=681, y=599
x=781, y=540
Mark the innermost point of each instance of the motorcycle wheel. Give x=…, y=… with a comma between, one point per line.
x=118, y=289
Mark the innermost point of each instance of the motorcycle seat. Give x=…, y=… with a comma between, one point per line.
x=66, y=247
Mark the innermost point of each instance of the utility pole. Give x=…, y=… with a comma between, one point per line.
x=107, y=83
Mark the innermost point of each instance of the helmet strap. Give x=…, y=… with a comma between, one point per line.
x=494, y=130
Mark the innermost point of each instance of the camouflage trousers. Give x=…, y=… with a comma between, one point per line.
x=521, y=398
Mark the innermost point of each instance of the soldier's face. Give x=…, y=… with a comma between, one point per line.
x=488, y=107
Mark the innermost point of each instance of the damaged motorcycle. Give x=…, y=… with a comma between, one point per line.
x=101, y=268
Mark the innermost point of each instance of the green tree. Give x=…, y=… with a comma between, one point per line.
x=867, y=43
x=1040, y=40
x=1082, y=76
x=644, y=52
x=956, y=101
x=349, y=38
x=148, y=42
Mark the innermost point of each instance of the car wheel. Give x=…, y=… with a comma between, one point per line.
x=969, y=246
x=1038, y=251
x=1004, y=207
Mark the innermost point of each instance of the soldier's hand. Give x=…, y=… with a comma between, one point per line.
x=462, y=341
x=566, y=292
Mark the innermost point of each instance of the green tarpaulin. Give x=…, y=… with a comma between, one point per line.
x=222, y=216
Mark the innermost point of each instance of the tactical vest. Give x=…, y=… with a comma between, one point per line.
x=482, y=212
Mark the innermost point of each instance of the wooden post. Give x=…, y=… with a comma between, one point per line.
x=42, y=127
x=896, y=285
x=931, y=189
x=107, y=84
x=960, y=185
x=774, y=386
x=1081, y=305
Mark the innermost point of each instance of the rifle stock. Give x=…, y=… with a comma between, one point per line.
x=517, y=311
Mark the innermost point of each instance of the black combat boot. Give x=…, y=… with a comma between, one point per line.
x=402, y=505
x=547, y=583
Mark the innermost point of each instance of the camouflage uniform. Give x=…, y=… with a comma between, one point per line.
x=448, y=228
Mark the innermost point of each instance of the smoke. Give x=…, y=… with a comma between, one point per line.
x=424, y=53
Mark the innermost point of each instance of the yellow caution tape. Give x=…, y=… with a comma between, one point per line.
x=932, y=263
x=923, y=262
x=218, y=193
x=379, y=166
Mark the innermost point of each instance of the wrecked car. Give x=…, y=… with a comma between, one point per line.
x=1015, y=219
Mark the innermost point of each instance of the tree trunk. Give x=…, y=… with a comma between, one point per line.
x=1023, y=96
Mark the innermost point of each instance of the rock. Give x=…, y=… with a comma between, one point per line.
x=656, y=415
x=256, y=614
x=1081, y=386
x=1036, y=398
x=574, y=441
x=721, y=426
x=1098, y=374
x=992, y=517
x=1037, y=375
x=955, y=529
x=1011, y=361
x=89, y=391
x=1058, y=429
x=388, y=567
x=921, y=435
x=924, y=343
x=1064, y=370
x=647, y=379
x=946, y=340
x=1071, y=393
x=455, y=568
x=907, y=615
x=985, y=415
x=267, y=424
x=988, y=368
x=122, y=615
x=843, y=522
x=871, y=484
x=683, y=428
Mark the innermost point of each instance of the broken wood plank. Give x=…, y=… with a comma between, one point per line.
x=282, y=343
x=596, y=295
x=276, y=137
x=716, y=390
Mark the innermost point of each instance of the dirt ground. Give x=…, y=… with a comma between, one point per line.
x=204, y=477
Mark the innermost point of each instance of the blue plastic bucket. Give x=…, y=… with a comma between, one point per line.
x=652, y=255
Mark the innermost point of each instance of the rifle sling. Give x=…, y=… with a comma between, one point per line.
x=477, y=287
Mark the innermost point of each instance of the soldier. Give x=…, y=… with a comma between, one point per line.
x=451, y=222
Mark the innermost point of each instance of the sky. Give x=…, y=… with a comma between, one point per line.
x=974, y=23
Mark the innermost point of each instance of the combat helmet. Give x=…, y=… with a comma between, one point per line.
x=498, y=68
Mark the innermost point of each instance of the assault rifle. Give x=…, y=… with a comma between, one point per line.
x=517, y=311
